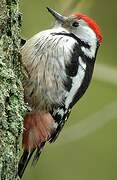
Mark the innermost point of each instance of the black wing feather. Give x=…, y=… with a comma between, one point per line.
x=26, y=158
x=71, y=71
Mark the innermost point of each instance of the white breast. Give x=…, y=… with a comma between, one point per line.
x=44, y=56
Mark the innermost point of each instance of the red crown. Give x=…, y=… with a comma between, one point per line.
x=92, y=24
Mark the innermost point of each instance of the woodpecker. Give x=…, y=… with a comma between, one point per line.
x=59, y=63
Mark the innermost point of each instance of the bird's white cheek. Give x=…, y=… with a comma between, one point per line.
x=89, y=52
x=87, y=35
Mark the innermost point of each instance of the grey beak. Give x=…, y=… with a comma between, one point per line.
x=56, y=15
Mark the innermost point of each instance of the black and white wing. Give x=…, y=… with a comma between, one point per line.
x=79, y=72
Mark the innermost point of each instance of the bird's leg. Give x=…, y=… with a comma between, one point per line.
x=38, y=128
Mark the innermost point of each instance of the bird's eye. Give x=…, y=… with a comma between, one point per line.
x=75, y=24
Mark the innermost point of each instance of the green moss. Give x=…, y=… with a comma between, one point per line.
x=12, y=107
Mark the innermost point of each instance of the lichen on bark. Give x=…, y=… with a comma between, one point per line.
x=12, y=105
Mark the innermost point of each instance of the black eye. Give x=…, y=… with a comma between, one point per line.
x=75, y=24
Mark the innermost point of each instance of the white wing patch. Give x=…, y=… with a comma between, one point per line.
x=76, y=82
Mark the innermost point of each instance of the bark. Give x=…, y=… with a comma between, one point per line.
x=11, y=92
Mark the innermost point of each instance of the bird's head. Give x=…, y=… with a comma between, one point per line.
x=80, y=25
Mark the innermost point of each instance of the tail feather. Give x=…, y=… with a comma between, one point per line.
x=25, y=158
x=38, y=128
x=37, y=154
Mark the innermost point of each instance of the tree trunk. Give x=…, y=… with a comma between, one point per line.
x=11, y=92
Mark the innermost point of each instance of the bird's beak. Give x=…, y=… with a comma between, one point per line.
x=56, y=15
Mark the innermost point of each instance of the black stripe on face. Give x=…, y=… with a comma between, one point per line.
x=81, y=43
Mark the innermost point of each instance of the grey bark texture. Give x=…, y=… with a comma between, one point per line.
x=11, y=92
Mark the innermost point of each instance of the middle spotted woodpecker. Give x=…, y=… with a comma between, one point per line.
x=59, y=64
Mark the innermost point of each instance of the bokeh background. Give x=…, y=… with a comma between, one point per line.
x=87, y=147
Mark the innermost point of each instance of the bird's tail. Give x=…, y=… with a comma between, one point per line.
x=38, y=128
x=24, y=162
x=25, y=158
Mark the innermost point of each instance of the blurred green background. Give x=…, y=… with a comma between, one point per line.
x=87, y=146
